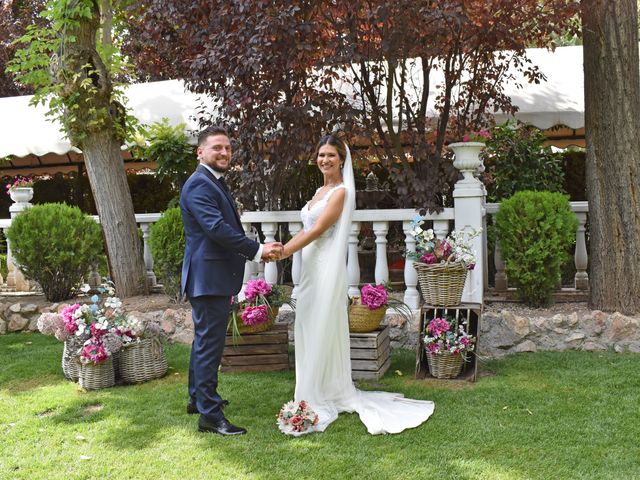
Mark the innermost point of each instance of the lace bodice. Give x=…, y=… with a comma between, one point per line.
x=310, y=216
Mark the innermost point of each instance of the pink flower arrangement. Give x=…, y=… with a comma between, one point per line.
x=255, y=315
x=256, y=288
x=19, y=182
x=94, y=352
x=456, y=247
x=374, y=297
x=444, y=335
x=68, y=318
x=297, y=418
x=479, y=136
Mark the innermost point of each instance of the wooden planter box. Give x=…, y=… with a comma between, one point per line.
x=370, y=354
x=257, y=352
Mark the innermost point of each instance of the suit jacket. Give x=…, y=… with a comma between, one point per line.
x=216, y=246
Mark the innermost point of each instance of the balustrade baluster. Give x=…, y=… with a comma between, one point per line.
x=382, y=268
x=581, y=259
x=270, y=268
x=148, y=258
x=353, y=264
x=411, y=296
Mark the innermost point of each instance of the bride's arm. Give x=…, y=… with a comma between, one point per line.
x=328, y=217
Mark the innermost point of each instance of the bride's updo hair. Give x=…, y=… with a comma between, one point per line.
x=333, y=141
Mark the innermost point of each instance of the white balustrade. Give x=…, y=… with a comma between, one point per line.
x=382, y=221
x=148, y=258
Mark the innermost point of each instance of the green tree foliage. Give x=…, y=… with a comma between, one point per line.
x=516, y=159
x=536, y=230
x=167, y=243
x=55, y=245
x=169, y=147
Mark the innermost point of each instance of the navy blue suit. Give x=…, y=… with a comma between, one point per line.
x=212, y=271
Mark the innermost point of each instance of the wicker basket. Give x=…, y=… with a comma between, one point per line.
x=70, y=364
x=142, y=361
x=445, y=364
x=362, y=319
x=94, y=376
x=441, y=284
x=261, y=327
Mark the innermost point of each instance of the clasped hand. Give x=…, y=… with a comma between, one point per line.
x=272, y=251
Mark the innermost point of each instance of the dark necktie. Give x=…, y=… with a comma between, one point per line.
x=223, y=184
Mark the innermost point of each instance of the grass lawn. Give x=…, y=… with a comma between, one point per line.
x=529, y=416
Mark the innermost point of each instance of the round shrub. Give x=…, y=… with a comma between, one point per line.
x=166, y=239
x=55, y=245
x=536, y=231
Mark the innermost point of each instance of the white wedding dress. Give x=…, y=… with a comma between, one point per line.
x=322, y=346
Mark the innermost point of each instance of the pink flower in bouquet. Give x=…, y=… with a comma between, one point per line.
x=97, y=332
x=374, y=297
x=433, y=347
x=94, y=352
x=429, y=258
x=67, y=316
x=255, y=315
x=255, y=288
x=297, y=418
x=438, y=326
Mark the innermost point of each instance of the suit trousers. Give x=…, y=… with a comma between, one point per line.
x=210, y=317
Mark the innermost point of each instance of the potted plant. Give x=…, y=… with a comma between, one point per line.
x=258, y=309
x=446, y=343
x=442, y=264
x=21, y=189
x=367, y=311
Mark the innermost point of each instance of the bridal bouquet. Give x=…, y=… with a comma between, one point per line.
x=297, y=418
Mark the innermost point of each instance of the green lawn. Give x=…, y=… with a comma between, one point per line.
x=530, y=416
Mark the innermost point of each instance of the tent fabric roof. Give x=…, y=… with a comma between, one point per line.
x=26, y=131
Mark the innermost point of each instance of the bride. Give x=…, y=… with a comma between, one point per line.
x=323, y=364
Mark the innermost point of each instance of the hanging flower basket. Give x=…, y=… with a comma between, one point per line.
x=94, y=376
x=445, y=364
x=441, y=284
x=142, y=361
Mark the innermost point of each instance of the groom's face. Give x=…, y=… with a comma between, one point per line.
x=216, y=152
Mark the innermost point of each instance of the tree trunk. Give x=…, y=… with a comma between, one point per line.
x=95, y=123
x=612, y=123
x=108, y=180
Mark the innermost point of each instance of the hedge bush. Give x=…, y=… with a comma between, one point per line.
x=166, y=239
x=55, y=245
x=536, y=231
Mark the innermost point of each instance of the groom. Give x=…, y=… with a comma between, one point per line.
x=212, y=271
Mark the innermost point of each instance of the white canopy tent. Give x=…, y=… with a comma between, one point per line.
x=32, y=141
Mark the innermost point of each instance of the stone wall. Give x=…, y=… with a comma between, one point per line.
x=503, y=331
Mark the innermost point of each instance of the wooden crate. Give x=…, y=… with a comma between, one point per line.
x=257, y=352
x=472, y=312
x=370, y=354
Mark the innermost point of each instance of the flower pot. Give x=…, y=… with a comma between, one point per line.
x=441, y=284
x=21, y=194
x=142, y=361
x=364, y=320
x=94, y=376
x=445, y=364
x=467, y=158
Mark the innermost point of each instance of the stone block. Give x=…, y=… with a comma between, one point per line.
x=17, y=322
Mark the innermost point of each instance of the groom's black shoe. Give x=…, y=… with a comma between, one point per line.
x=222, y=427
x=192, y=409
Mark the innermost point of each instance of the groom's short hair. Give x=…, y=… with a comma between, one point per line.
x=211, y=130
